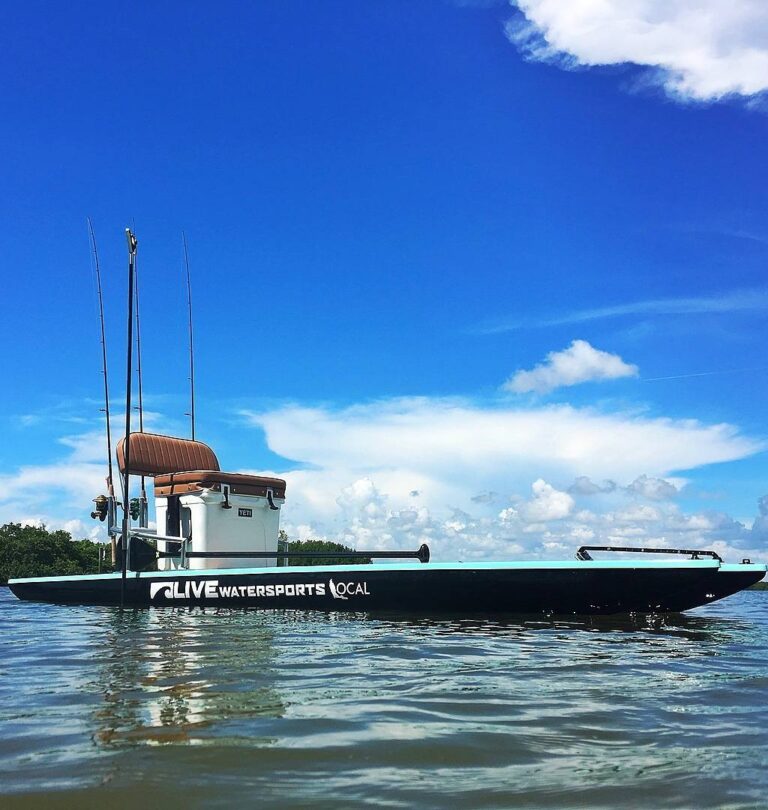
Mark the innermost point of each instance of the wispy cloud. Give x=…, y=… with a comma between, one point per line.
x=697, y=50
x=749, y=300
x=717, y=373
x=456, y=440
x=740, y=233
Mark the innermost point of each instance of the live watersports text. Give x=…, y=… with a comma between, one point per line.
x=211, y=589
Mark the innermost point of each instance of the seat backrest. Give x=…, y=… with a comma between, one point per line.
x=153, y=454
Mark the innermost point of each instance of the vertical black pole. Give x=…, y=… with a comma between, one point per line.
x=191, y=413
x=132, y=244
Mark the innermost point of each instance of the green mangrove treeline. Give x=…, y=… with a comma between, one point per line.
x=34, y=551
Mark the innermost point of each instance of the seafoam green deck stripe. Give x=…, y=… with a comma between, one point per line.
x=729, y=568
x=617, y=565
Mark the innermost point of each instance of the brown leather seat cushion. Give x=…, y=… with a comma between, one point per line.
x=153, y=454
x=239, y=484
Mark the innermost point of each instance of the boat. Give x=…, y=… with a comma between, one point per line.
x=217, y=544
x=488, y=589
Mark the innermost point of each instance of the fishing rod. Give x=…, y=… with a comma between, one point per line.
x=110, y=484
x=143, y=503
x=191, y=413
x=125, y=538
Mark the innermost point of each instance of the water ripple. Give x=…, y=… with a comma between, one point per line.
x=213, y=706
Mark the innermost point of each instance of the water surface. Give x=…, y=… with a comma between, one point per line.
x=222, y=707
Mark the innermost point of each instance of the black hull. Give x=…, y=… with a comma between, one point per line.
x=577, y=589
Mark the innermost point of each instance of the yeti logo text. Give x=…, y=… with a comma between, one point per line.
x=190, y=589
x=343, y=590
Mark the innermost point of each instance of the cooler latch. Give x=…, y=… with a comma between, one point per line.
x=225, y=503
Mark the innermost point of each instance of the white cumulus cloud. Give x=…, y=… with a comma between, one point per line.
x=654, y=489
x=584, y=485
x=493, y=480
x=698, y=50
x=546, y=504
x=580, y=362
x=547, y=525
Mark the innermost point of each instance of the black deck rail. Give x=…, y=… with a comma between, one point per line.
x=421, y=554
x=695, y=553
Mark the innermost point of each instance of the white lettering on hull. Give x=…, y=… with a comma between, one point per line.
x=210, y=589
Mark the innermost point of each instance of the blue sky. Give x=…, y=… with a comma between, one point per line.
x=392, y=208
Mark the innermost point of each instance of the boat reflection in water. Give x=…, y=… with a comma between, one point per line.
x=169, y=675
x=197, y=676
